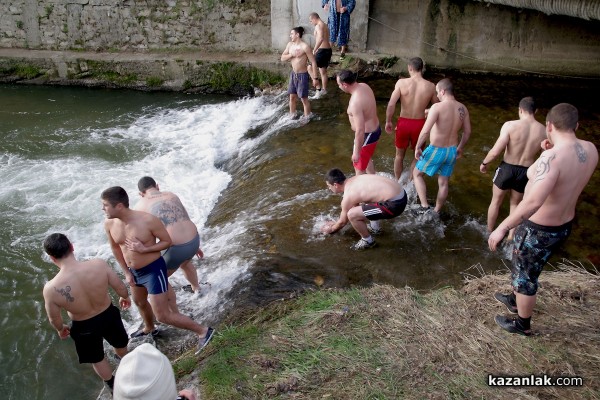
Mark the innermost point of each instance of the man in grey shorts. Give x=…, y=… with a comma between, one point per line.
x=184, y=234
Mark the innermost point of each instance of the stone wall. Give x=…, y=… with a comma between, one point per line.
x=461, y=34
x=121, y=25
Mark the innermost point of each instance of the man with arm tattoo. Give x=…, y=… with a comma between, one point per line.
x=81, y=288
x=544, y=217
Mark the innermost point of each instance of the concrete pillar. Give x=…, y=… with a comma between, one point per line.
x=281, y=23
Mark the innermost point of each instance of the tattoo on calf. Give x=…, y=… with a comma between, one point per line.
x=66, y=292
x=543, y=167
x=581, y=154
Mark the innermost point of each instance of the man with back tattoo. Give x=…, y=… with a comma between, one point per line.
x=81, y=288
x=444, y=120
x=544, y=217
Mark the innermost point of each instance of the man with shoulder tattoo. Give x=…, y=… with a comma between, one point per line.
x=81, y=288
x=544, y=217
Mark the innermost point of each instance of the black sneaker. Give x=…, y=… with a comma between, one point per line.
x=204, y=341
x=510, y=325
x=507, y=300
x=140, y=333
x=362, y=244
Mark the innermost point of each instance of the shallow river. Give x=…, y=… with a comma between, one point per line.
x=253, y=182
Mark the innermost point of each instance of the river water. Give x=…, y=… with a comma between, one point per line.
x=252, y=180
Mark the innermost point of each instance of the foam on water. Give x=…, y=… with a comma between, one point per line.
x=181, y=148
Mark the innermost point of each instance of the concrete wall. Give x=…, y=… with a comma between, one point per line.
x=287, y=14
x=486, y=37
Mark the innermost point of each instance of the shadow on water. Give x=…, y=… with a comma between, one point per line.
x=278, y=190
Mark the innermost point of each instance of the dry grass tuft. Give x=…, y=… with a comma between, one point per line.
x=386, y=343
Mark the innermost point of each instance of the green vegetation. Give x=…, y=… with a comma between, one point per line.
x=224, y=76
x=389, y=343
x=388, y=62
x=48, y=10
x=20, y=25
x=23, y=71
x=154, y=81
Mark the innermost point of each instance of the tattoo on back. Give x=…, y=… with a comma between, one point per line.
x=67, y=293
x=581, y=154
x=461, y=113
x=543, y=167
x=170, y=212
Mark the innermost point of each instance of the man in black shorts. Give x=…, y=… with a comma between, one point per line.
x=366, y=198
x=520, y=141
x=81, y=288
x=322, y=52
x=543, y=219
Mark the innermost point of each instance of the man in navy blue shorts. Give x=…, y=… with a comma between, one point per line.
x=133, y=238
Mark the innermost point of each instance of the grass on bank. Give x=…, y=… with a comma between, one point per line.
x=388, y=343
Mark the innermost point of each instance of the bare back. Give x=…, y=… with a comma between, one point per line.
x=448, y=118
x=81, y=289
x=169, y=209
x=568, y=167
x=368, y=189
x=416, y=94
x=525, y=136
x=141, y=226
x=363, y=108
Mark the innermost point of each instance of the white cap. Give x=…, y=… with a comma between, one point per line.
x=145, y=374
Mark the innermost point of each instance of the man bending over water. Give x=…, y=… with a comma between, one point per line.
x=366, y=198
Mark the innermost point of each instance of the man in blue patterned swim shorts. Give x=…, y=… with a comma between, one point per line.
x=444, y=120
x=543, y=219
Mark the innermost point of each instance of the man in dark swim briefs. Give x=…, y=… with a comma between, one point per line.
x=81, y=288
x=520, y=140
x=543, y=219
x=133, y=238
x=366, y=198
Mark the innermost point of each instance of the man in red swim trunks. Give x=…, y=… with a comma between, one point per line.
x=415, y=94
x=362, y=113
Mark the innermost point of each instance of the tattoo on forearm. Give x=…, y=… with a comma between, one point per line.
x=581, y=154
x=461, y=113
x=543, y=167
x=66, y=292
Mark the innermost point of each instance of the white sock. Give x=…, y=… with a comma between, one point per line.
x=369, y=239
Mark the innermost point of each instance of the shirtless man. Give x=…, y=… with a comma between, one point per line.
x=543, y=219
x=415, y=94
x=365, y=198
x=81, y=288
x=132, y=236
x=362, y=113
x=520, y=140
x=444, y=120
x=299, y=53
x=322, y=52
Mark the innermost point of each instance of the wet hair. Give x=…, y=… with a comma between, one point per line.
x=57, y=245
x=347, y=76
x=146, y=183
x=446, y=84
x=416, y=63
x=115, y=195
x=314, y=15
x=335, y=176
x=299, y=30
x=563, y=116
x=527, y=104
